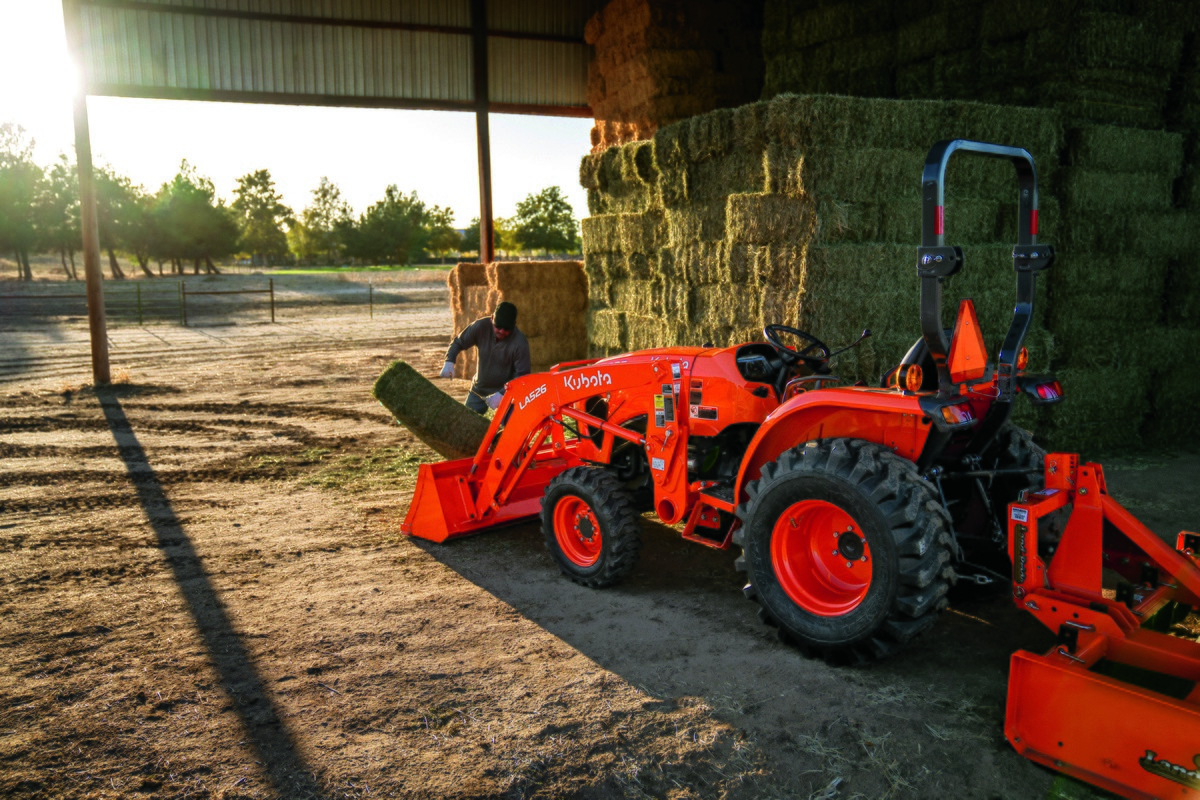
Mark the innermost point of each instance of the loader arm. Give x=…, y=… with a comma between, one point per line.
x=527, y=445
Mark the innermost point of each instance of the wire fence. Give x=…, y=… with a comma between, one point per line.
x=177, y=303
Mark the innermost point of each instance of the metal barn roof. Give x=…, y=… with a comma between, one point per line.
x=374, y=53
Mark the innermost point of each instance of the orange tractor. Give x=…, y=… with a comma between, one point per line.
x=857, y=507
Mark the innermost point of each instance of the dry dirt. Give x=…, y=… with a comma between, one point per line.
x=203, y=593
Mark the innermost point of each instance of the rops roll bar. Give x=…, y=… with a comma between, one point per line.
x=936, y=261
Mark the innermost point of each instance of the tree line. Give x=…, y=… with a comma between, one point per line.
x=185, y=225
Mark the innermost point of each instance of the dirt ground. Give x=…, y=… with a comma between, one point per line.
x=204, y=593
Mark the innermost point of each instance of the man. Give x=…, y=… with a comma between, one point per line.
x=503, y=355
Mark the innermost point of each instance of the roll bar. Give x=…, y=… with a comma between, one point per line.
x=936, y=261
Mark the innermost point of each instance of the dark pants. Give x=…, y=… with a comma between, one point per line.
x=475, y=400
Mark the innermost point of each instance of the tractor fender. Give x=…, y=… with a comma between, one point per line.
x=885, y=417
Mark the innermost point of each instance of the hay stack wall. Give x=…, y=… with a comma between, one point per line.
x=468, y=302
x=806, y=211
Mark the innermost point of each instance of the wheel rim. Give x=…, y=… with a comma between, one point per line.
x=821, y=558
x=577, y=531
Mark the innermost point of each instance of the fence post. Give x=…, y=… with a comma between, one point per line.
x=139, y=303
x=371, y=297
x=271, y=286
x=183, y=302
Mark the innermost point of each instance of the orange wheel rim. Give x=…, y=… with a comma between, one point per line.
x=821, y=558
x=577, y=531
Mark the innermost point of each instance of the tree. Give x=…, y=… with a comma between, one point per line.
x=58, y=213
x=442, y=237
x=191, y=223
x=20, y=184
x=122, y=210
x=504, y=237
x=261, y=216
x=545, y=221
x=319, y=232
x=392, y=231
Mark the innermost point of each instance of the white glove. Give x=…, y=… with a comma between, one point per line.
x=448, y=370
x=493, y=400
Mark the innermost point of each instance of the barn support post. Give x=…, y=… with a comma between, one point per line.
x=479, y=35
x=97, y=325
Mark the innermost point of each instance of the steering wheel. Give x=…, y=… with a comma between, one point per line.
x=791, y=355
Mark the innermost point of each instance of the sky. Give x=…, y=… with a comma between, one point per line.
x=360, y=150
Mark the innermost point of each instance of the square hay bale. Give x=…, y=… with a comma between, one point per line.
x=1087, y=190
x=725, y=305
x=1101, y=411
x=1110, y=149
x=1159, y=235
x=606, y=330
x=551, y=297
x=1183, y=291
x=701, y=262
x=768, y=218
x=468, y=302
x=1175, y=383
x=601, y=233
x=548, y=350
x=698, y=222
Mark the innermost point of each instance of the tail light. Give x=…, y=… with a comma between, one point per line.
x=958, y=414
x=1022, y=360
x=1048, y=392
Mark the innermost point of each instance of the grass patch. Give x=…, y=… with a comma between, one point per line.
x=385, y=468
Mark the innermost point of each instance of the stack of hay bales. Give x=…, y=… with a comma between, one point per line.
x=806, y=211
x=551, y=299
x=468, y=302
x=1109, y=294
x=658, y=61
x=1108, y=61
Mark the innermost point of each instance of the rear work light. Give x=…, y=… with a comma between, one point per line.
x=958, y=415
x=1022, y=359
x=907, y=377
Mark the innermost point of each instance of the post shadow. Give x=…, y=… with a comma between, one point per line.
x=265, y=731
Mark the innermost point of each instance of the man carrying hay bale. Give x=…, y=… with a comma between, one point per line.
x=503, y=355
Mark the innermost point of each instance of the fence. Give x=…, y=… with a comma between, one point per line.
x=173, y=302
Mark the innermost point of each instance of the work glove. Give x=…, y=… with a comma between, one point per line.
x=448, y=370
x=493, y=400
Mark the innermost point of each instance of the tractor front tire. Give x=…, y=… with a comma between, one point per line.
x=845, y=548
x=591, y=526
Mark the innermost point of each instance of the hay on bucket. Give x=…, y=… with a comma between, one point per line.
x=446, y=425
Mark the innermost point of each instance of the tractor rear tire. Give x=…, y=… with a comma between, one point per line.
x=591, y=526
x=845, y=548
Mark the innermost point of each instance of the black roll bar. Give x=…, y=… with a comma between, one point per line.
x=936, y=261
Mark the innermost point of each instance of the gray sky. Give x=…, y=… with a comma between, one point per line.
x=361, y=150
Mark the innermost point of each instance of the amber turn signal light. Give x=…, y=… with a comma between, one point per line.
x=911, y=377
x=958, y=415
x=1022, y=360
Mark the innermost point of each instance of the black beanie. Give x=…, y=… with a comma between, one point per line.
x=505, y=316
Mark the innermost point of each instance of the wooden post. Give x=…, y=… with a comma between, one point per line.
x=370, y=299
x=139, y=303
x=183, y=302
x=487, y=229
x=97, y=326
x=271, y=286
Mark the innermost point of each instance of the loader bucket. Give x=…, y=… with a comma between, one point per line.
x=443, y=505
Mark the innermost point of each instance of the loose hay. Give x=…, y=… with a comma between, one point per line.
x=447, y=426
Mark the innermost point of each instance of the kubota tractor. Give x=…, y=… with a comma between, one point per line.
x=856, y=507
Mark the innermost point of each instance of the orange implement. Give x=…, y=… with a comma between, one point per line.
x=1114, y=702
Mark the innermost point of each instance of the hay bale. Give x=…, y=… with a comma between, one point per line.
x=767, y=218
x=1103, y=410
x=1121, y=150
x=1175, y=382
x=606, y=331
x=552, y=299
x=468, y=302
x=444, y=424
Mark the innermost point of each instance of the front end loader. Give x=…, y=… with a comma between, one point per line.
x=855, y=507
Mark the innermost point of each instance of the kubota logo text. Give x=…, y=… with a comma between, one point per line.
x=1172, y=772
x=529, y=398
x=583, y=381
